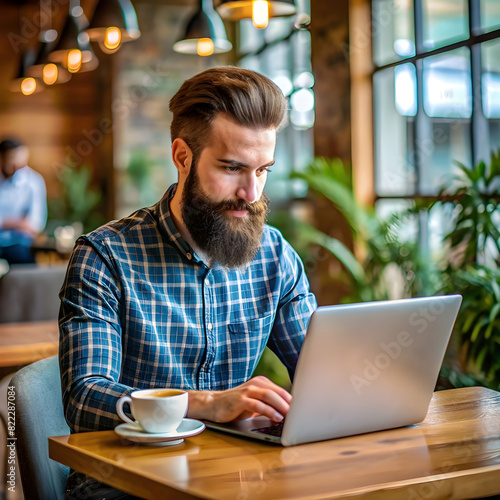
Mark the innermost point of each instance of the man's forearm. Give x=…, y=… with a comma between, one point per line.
x=201, y=405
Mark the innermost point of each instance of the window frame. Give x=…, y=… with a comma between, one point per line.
x=363, y=70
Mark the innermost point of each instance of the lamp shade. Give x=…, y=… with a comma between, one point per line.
x=43, y=69
x=205, y=33
x=119, y=14
x=73, y=40
x=235, y=10
x=22, y=82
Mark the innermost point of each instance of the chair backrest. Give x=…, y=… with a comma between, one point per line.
x=39, y=415
x=31, y=293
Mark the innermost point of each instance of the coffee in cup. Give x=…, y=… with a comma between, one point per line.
x=163, y=393
x=155, y=410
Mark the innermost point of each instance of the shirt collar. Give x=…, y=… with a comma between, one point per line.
x=167, y=224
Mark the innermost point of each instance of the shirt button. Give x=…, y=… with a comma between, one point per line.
x=189, y=256
x=210, y=326
x=207, y=282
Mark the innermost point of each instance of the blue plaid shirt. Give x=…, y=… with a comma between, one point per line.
x=139, y=309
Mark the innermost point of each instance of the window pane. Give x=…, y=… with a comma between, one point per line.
x=490, y=15
x=490, y=56
x=392, y=30
x=447, y=85
x=393, y=135
x=445, y=21
x=406, y=89
x=451, y=142
x=439, y=224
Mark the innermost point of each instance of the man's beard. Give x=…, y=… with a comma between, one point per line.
x=231, y=241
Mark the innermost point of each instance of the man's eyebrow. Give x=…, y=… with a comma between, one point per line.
x=235, y=163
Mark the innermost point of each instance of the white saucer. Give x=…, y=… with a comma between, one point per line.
x=188, y=427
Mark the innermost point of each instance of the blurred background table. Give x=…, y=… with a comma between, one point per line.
x=24, y=343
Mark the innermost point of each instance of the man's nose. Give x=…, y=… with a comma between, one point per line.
x=249, y=190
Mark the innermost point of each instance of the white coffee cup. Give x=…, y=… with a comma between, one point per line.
x=155, y=410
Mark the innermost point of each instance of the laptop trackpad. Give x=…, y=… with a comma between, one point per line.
x=255, y=427
x=246, y=425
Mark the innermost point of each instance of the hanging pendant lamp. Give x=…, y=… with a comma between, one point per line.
x=258, y=10
x=205, y=33
x=22, y=82
x=73, y=49
x=114, y=22
x=43, y=69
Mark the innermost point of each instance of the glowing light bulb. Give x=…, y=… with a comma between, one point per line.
x=74, y=60
x=50, y=73
x=205, y=47
x=112, y=38
x=28, y=86
x=260, y=13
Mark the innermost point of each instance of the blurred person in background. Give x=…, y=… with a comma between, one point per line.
x=23, y=203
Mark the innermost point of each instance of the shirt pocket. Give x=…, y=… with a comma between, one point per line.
x=245, y=343
x=256, y=326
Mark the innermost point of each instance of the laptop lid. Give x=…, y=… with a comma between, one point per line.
x=362, y=368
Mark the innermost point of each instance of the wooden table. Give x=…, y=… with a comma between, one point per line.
x=454, y=453
x=24, y=343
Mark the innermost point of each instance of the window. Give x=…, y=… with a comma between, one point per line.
x=436, y=97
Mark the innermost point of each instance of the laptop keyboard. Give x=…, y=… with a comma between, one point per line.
x=273, y=430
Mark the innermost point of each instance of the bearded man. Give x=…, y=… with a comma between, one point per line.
x=187, y=294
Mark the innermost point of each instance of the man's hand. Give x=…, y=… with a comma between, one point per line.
x=257, y=396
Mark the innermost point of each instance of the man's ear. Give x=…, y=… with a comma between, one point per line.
x=182, y=156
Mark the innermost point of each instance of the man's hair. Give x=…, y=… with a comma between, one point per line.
x=250, y=98
x=10, y=144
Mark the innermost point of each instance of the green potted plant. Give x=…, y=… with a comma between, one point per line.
x=474, y=269
x=78, y=201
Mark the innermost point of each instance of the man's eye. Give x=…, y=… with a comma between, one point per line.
x=232, y=169
x=263, y=170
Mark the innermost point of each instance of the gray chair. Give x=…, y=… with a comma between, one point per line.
x=39, y=415
x=31, y=292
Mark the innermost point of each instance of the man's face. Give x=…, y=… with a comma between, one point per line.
x=12, y=160
x=223, y=204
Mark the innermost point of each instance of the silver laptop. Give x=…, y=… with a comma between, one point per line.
x=362, y=368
